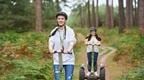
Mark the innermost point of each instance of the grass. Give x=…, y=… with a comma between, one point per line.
x=25, y=55
x=134, y=74
x=116, y=69
x=129, y=53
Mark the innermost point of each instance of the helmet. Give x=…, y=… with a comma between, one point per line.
x=62, y=14
x=92, y=29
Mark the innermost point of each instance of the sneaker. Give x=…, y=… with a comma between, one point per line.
x=96, y=73
x=88, y=73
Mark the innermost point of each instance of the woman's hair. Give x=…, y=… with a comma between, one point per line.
x=96, y=36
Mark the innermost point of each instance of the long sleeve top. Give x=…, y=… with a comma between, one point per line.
x=93, y=40
x=67, y=41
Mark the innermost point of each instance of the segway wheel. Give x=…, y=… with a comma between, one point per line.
x=82, y=74
x=102, y=73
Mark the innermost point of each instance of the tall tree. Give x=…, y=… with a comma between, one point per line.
x=16, y=15
x=97, y=14
x=38, y=15
x=57, y=5
x=89, y=14
x=135, y=16
x=93, y=13
x=141, y=16
x=121, y=16
x=129, y=13
x=81, y=15
x=109, y=13
x=84, y=12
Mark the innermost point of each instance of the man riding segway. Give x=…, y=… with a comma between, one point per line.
x=61, y=42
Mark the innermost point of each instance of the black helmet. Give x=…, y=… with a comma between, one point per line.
x=62, y=14
x=92, y=29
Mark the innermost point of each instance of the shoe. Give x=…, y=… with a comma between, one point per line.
x=96, y=73
x=88, y=73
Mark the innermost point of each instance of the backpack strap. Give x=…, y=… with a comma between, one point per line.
x=53, y=32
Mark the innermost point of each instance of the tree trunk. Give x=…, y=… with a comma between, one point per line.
x=135, y=16
x=121, y=16
x=93, y=14
x=57, y=5
x=138, y=12
x=81, y=16
x=89, y=14
x=129, y=13
x=109, y=13
x=38, y=15
x=141, y=16
x=97, y=14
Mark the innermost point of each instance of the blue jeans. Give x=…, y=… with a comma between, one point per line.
x=68, y=69
x=89, y=56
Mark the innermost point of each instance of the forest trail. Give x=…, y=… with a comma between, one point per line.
x=81, y=58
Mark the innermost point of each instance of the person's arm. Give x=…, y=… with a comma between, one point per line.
x=98, y=43
x=86, y=41
x=51, y=42
x=72, y=41
x=51, y=45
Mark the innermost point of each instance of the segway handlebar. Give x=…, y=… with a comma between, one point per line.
x=62, y=52
x=93, y=44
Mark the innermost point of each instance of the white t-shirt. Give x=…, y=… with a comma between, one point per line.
x=56, y=44
x=93, y=40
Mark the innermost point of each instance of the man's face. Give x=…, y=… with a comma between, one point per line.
x=61, y=20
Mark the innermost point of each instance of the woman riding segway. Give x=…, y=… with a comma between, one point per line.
x=92, y=41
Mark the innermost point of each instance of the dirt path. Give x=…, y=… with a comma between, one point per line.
x=103, y=58
x=105, y=52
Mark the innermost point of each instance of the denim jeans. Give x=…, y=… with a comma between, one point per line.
x=89, y=57
x=68, y=69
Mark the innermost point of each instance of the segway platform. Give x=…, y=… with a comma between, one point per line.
x=92, y=76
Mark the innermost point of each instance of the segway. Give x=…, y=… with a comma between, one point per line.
x=92, y=76
x=60, y=56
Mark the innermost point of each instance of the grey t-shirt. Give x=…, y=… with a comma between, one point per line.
x=56, y=44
